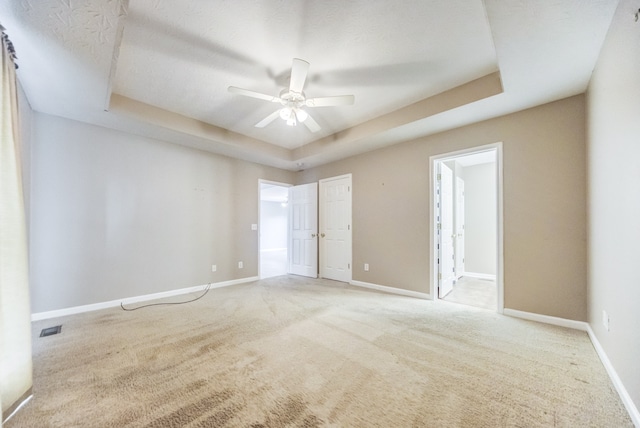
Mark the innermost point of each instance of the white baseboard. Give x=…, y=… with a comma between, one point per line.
x=580, y=325
x=128, y=300
x=479, y=275
x=391, y=290
x=615, y=379
x=562, y=322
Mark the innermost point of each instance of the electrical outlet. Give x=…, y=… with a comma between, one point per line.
x=254, y=226
x=366, y=267
x=605, y=320
x=214, y=268
x=240, y=265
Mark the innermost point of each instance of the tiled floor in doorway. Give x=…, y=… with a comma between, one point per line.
x=481, y=293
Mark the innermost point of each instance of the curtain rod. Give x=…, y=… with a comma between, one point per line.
x=9, y=45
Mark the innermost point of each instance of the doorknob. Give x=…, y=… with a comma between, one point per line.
x=313, y=235
x=322, y=234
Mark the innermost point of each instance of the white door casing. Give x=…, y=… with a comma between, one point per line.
x=303, y=230
x=446, y=232
x=434, y=198
x=459, y=250
x=335, y=228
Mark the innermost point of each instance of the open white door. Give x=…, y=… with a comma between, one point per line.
x=303, y=230
x=447, y=274
x=459, y=227
x=335, y=228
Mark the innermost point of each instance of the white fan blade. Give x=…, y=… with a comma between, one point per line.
x=311, y=124
x=299, y=70
x=340, y=100
x=267, y=120
x=253, y=94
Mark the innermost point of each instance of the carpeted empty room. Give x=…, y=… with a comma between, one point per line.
x=290, y=351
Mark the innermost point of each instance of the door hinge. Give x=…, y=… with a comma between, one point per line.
x=348, y=227
x=439, y=276
x=439, y=226
x=348, y=265
x=439, y=177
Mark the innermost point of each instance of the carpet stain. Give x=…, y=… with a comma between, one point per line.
x=220, y=418
x=296, y=352
x=292, y=411
x=193, y=411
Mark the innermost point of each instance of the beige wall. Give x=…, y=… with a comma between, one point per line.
x=544, y=207
x=116, y=215
x=480, y=201
x=614, y=197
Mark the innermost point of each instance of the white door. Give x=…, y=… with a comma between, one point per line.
x=446, y=271
x=335, y=228
x=459, y=227
x=303, y=230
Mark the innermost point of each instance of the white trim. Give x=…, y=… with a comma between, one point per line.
x=479, y=275
x=615, y=379
x=392, y=290
x=500, y=227
x=104, y=305
x=583, y=326
x=562, y=322
x=20, y=406
x=433, y=290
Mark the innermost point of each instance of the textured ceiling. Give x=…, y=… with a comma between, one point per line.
x=182, y=57
x=161, y=69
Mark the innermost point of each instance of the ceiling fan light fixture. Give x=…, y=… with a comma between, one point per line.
x=293, y=99
x=285, y=113
x=301, y=115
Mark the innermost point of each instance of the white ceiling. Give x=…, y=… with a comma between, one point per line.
x=161, y=69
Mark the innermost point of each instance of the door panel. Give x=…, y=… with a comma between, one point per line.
x=447, y=271
x=303, y=230
x=335, y=228
x=459, y=227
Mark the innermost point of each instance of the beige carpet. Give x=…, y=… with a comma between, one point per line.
x=303, y=353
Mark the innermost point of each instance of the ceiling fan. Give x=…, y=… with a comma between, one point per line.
x=293, y=100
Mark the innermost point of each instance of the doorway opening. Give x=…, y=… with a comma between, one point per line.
x=274, y=227
x=466, y=224
x=290, y=218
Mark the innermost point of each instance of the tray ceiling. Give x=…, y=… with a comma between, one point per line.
x=161, y=69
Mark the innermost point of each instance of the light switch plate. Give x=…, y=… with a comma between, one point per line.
x=254, y=226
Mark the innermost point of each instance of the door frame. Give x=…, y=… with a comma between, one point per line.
x=459, y=195
x=275, y=183
x=433, y=241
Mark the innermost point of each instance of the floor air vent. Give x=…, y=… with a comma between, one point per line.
x=50, y=331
